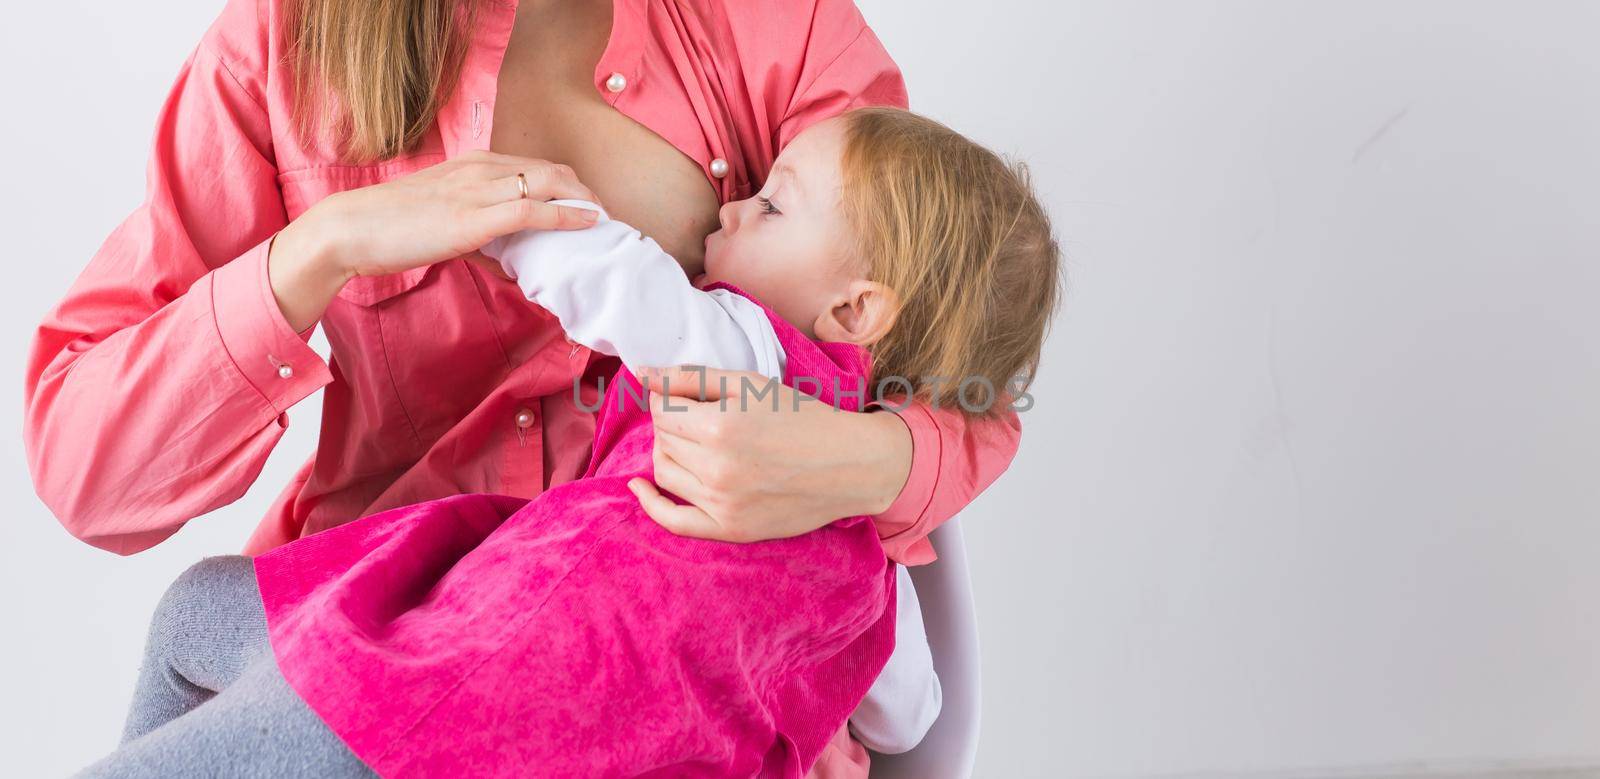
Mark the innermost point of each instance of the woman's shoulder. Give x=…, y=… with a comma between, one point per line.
x=240, y=36
x=243, y=52
x=804, y=60
x=815, y=28
x=236, y=51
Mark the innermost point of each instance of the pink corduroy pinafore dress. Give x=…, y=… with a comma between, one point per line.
x=570, y=635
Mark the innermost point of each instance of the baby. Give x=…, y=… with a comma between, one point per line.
x=570, y=635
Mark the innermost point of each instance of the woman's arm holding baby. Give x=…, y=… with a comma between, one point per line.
x=756, y=473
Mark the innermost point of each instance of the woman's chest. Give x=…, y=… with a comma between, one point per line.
x=547, y=108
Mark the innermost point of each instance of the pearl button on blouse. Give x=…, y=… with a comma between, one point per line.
x=525, y=417
x=719, y=167
x=617, y=82
x=284, y=371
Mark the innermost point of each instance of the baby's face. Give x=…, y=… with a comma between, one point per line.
x=787, y=245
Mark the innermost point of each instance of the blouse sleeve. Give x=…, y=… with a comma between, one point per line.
x=955, y=457
x=158, y=385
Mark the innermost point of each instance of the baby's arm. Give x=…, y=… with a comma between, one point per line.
x=617, y=292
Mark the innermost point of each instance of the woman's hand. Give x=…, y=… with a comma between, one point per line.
x=439, y=212
x=754, y=473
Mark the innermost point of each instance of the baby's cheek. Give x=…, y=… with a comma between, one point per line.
x=712, y=273
x=719, y=266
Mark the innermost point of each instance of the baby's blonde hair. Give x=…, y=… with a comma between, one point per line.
x=957, y=232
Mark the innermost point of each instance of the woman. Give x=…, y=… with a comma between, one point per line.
x=165, y=374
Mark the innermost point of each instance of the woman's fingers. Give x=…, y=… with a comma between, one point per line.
x=679, y=416
x=673, y=477
x=495, y=181
x=501, y=188
x=700, y=383
x=504, y=187
x=483, y=164
x=696, y=518
x=496, y=158
x=551, y=181
x=546, y=180
x=513, y=215
x=678, y=520
x=681, y=450
x=721, y=414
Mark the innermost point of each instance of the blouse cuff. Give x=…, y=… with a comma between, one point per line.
x=272, y=357
x=900, y=527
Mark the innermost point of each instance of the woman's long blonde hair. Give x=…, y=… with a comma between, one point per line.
x=958, y=233
x=373, y=72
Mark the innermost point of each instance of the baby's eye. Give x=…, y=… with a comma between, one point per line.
x=766, y=205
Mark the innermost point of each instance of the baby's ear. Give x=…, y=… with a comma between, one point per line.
x=862, y=316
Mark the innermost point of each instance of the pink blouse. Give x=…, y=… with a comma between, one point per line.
x=159, y=384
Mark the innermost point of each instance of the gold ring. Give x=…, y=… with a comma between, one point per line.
x=522, y=185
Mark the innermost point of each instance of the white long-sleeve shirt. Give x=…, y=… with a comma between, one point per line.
x=617, y=292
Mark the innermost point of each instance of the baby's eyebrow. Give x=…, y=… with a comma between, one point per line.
x=788, y=171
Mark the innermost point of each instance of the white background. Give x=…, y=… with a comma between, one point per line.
x=1311, y=479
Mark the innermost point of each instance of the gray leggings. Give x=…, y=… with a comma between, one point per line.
x=210, y=700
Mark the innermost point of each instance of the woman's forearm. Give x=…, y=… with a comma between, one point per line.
x=754, y=471
x=884, y=449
